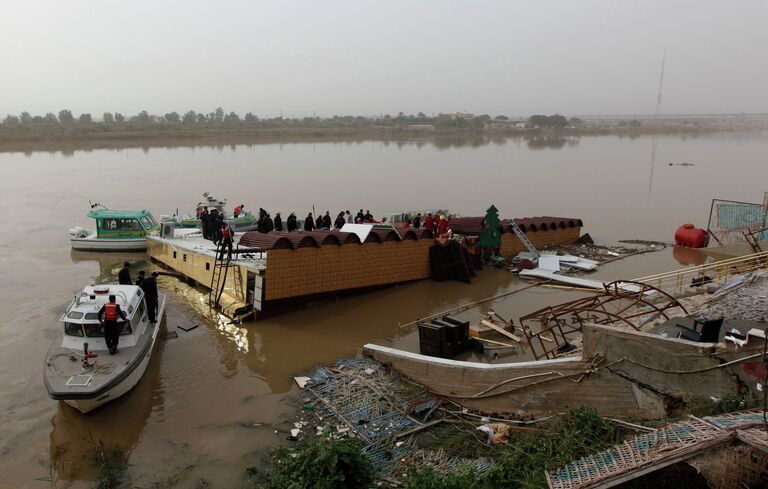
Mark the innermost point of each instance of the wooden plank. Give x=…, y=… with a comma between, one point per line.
x=506, y=333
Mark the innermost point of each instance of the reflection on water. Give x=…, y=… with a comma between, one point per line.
x=551, y=142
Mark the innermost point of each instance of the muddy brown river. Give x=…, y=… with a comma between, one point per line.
x=217, y=397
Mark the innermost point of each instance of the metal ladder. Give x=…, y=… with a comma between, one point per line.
x=218, y=277
x=523, y=238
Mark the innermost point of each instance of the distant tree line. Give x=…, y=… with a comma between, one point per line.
x=218, y=116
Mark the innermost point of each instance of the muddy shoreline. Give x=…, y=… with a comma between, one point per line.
x=74, y=137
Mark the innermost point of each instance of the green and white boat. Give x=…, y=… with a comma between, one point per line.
x=242, y=223
x=116, y=230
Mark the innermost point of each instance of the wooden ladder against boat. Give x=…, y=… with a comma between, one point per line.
x=523, y=238
x=218, y=277
x=239, y=291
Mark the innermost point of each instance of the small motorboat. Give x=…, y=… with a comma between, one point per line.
x=245, y=221
x=116, y=230
x=79, y=369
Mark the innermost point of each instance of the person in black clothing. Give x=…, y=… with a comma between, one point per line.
x=269, y=225
x=417, y=221
x=213, y=225
x=124, y=275
x=360, y=217
x=319, y=222
x=141, y=278
x=291, y=222
x=205, y=223
x=108, y=316
x=309, y=223
x=368, y=216
x=340, y=221
x=278, y=222
x=149, y=286
x=327, y=220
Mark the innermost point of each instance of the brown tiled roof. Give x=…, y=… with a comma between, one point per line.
x=302, y=239
x=386, y=234
x=467, y=225
x=474, y=225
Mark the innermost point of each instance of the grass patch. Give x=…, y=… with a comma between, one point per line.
x=320, y=463
x=112, y=464
x=522, y=462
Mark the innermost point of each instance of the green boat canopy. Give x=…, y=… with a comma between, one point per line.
x=117, y=214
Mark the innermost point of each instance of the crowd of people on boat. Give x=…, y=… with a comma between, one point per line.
x=214, y=225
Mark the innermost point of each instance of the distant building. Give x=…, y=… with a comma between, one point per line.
x=458, y=115
x=523, y=125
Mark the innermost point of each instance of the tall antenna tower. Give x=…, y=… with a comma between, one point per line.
x=661, y=82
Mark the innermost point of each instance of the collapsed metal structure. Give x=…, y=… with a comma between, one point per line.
x=622, y=302
x=734, y=222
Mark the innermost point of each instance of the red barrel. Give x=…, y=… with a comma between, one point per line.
x=691, y=236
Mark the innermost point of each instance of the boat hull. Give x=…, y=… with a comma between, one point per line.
x=86, y=402
x=96, y=244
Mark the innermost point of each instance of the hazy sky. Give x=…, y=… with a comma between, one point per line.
x=371, y=57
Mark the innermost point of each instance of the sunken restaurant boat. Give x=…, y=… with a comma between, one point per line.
x=78, y=368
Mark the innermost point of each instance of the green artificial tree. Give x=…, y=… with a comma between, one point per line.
x=490, y=236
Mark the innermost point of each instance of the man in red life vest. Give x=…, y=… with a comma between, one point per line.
x=442, y=225
x=108, y=315
x=429, y=223
x=225, y=240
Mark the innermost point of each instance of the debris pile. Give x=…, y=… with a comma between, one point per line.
x=744, y=297
x=363, y=399
x=604, y=253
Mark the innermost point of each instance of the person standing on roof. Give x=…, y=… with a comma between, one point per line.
x=291, y=222
x=149, y=286
x=360, y=217
x=124, y=275
x=309, y=223
x=417, y=221
x=368, y=217
x=108, y=316
x=319, y=222
x=278, y=222
x=350, y=219
x=205, y=223
x=269, y=225
x=429, y=223
x=225, y=242
x=327, y=220
x=442, y=224
x=339, y=223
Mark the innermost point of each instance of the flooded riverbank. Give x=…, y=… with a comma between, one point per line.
x=213, y=398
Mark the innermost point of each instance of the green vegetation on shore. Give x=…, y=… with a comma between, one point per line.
x=319, y=463
x=64, y=131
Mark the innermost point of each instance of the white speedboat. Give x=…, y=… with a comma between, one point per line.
x=116, y=230
x=78, y=367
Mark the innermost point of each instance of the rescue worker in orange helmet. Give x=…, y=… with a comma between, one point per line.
x=108, y=316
